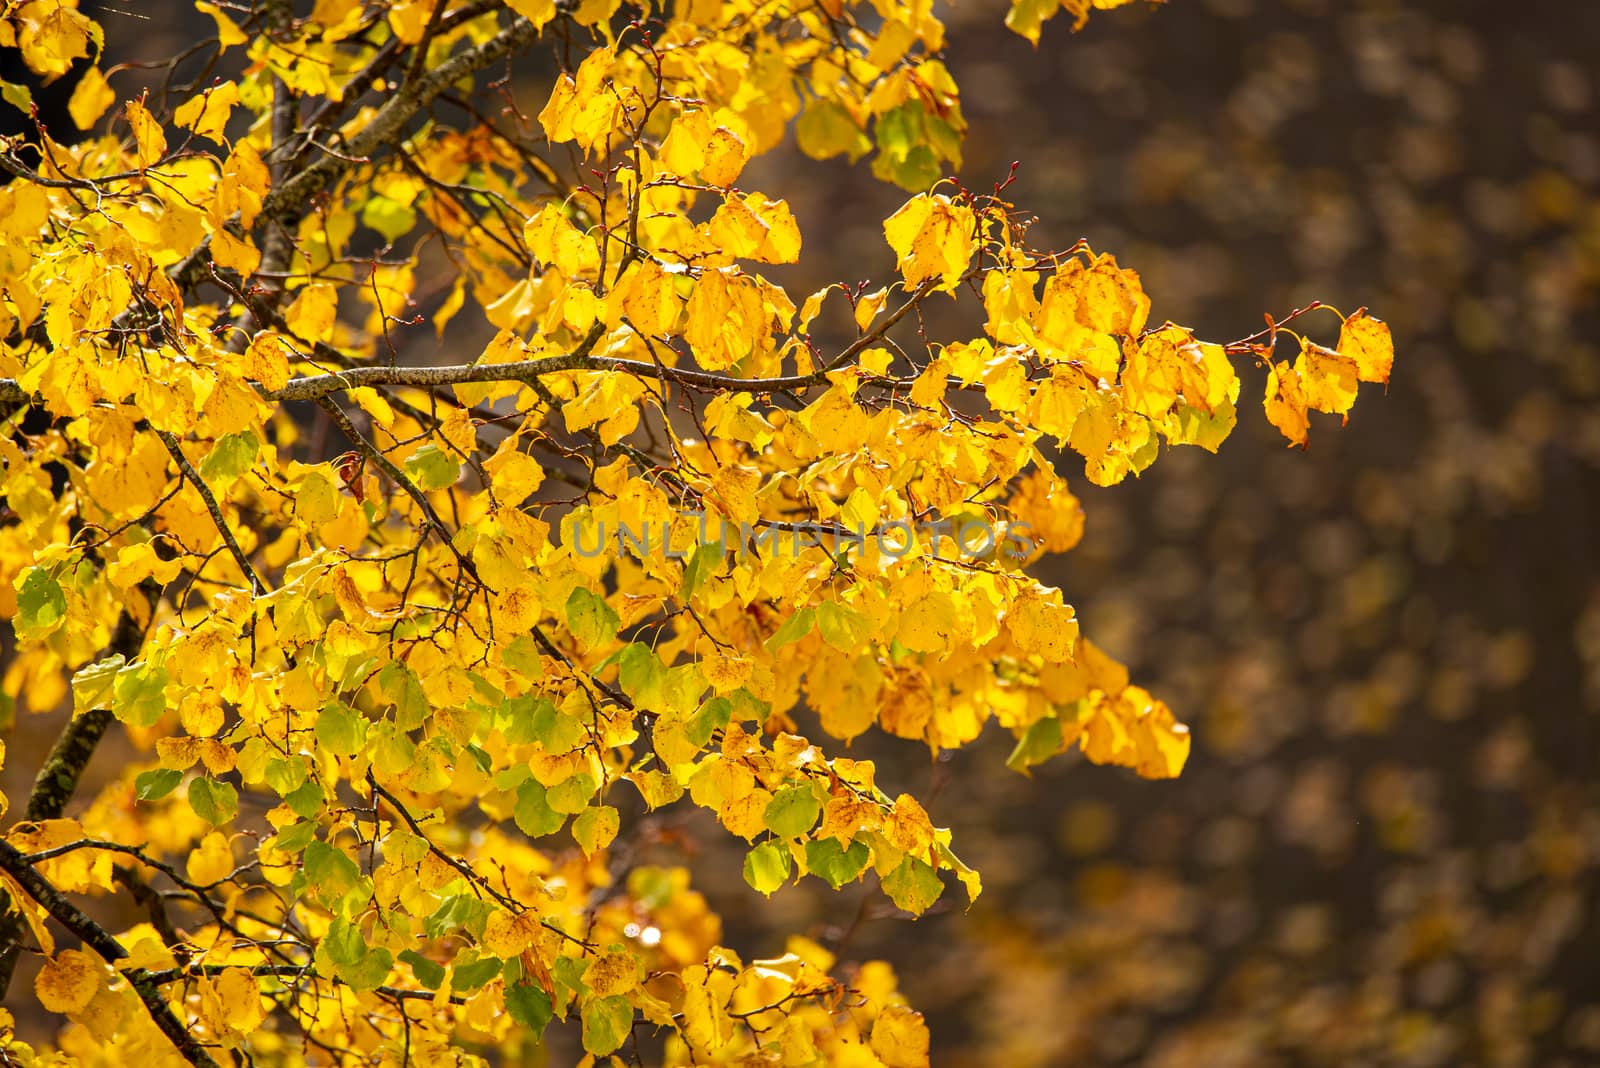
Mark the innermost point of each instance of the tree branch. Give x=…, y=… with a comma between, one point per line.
x=58, y=778
x=101, y=941
x=314, y=386
x=298, y=191
x=170, y=440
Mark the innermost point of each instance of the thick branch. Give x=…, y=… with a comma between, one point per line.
x=391, y=119
x=314, y=386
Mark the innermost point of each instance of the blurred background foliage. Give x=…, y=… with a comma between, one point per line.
x=1384, y=850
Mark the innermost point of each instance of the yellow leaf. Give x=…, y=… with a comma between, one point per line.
x=933, y=238
x=409, y=18
x=37, y=918
x=725, y=673
x=90, y=99
x=507, y=935
x=316, y=500
x=612, y=974
x=150, y=143
x=1111, y=300
x=754, y=228
x=135, y=563
x=212, y=861
x=726, y=319
x=900, y=1038
x=68, y=982
x=1367, y=341
x=868, y=307
x=313, y=312
x=928, y=624
x=1285, y=403
x=734, y=491
x=240, y=997
x=537, y=12
x=1328, y=378
x=228, y=34
x=1043, y=626
x=50, y=44
x=648, y=297
x=207, y=114
x=581, y=108
x=234, y=253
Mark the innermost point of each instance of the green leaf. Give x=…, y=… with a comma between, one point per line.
x=590, y=619
x=533, y=814
x=1040, y=742
x=915, y=173
x=794, y=628
x=18, y=96
x=642, y=675
x=41, y=604
x=683, y=688
x=748, y=708
x=701, y=566
x=330, y=871
x=913, y=886
x=826, y=129
x=523, y=656
x=213, y=801
x=568, y=975
x=530, y=1006
x=651, y=887
x=229, y=458
x=388, y=217
x=401, y=685
x=341, y=730
x=345, y=943
x=139, y=695
x=767, y=866
x=285, y=776
x=593, y=824
x=306, y=800
x=369, y=972
x=465, y=911
x=607, y=1023
x=713, y=715
x=827, y=859
x=92, y=684
x=571, y=795
x=157, y=783
x=474, y=973
x=431, y=468
x=843, y=628
x=295, y=837
x=792, y=811
x=1193, y=426
x=429, y=973
x=554, y=729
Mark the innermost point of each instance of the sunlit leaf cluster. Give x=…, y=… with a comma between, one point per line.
x=411, y=651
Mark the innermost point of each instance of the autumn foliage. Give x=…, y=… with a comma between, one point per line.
x=403, y=679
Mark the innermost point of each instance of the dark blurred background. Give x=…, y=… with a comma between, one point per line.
x=1384, y=850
